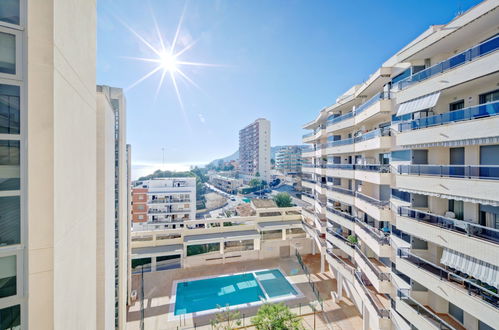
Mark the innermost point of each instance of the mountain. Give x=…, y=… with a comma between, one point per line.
x=235, y=156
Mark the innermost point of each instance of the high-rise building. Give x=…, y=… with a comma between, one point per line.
x=112, y=100
x=163, y=203
x=405, y=181
x=288, y=160
x=254, y=150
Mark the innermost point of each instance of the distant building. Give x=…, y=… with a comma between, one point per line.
x=254, y=150
x=227, y=184
x=288, y=160
x=163, y=203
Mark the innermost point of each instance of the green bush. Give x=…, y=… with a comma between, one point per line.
x=276, y=317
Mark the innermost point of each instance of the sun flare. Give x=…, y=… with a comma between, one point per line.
x=168, y=62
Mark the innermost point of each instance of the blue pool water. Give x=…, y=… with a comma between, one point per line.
x=210, y=293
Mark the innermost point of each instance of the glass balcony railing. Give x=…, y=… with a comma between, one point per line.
x=376, y=234
x=471, y=287
x=380, y=168
x=341, y=214
x=380, y=309
x=372, y=200
x=469, y=55
x=485, y=172
x=348, y=267
x=382, y=276
x=464, y=227
x=308, y=135
x=403, y=294
x=341, y=166
x=309, y=180
x=338, y=143
x=385, y=131
x=339, y=118
x=339, y=236
x=341, y=190
x=471, y=113
x=371, y=101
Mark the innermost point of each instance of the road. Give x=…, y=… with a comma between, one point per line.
x=230, y=203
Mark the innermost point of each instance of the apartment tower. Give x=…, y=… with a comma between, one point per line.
x=404, y=181
x=254, y=150
x=288, y=160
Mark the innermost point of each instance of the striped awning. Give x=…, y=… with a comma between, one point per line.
x=479, y=269
x=418, y=104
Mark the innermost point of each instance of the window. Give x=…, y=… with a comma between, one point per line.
x=8, y=283
x=483, y=326
x=141, y=207
x=9, y=165
x=458, y=105
x=141, y=197
x=456, y=312
x=9, y=109
x=140, y=217
x=401, y=155
x=489, y=97
x=10, y=220
x=7, y=53
x=9, y=11
x=10, y=317
x=457, y=207
x=193, y=250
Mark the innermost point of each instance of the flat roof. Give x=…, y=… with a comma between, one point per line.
x=164, y=249
x=263, y=203
x=280, y=224
x=225, y=236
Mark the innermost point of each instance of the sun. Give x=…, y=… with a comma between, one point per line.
x=168, y=62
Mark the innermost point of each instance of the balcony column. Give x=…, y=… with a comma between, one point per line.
x=323, y=263
x=153, y=263
x=283, y=234
x=314, y=248
x=222, y=247
x=365, y=317
x=256, y=244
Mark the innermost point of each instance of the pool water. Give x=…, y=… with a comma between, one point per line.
x=211, y=293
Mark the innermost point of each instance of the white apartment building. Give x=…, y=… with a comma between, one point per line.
x=227, y=184
x=288, y=160
x=163, y=203
x=405, y=181
x=254, y=150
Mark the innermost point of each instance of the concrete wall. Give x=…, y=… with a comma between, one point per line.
x=61, y=150
x=105, y=214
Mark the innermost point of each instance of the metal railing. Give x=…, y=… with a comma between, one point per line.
x=341, y=190
x=308, y=135
x=488, y=172
x=403, y=294
x=468, y=55
x=308, y=180
x=371, y=101
x=486, y=295
x=382, y=276
x=168, y=201
x=385, y=131
x=339, y=118
x=341, y=166
x=341, y=214
x=348, y=267
x=465, y=227
x=471, y=113
x=372, y=200
x=381, y=311
x=154, y=211
x=346, y=241
x=379, y=237
x=380, y=168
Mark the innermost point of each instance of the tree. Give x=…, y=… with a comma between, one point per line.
x=255, y=182
x=283, y=199
x=226, y=319
x=276, y=317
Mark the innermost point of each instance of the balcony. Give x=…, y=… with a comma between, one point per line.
x=377, y=273
x=340, y=122
x=374, y=140
x=340, y=242
x=377, y=209
x=340, y=194
x=374, y=173
x=339, y=146
x=340, y=170
x=379, y=103
x=462, y=236
x=308, y=168
x=475, y=299
x=376, y=304
x=476, y=122
x=473, y=63
x=341, y=218
x=309, y=198
x=373, y=238
x=308, y=183
x=342, y=265
x=479, y=183
x=422, y=317
x=312, y=136
x=156, y=211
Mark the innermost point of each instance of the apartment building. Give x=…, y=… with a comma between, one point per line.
x=254, y=150
x=288, y=160
x=405, y=171
x=111, y=102
x=163, y=203
x=227, y=184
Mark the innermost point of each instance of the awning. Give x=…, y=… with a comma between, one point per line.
x=272, y=225
x=418, y=104
x=225, y=236
x=479, y=269
x=448, y=196
x=157, y=250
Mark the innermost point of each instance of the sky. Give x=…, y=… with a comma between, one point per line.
x=283, y=60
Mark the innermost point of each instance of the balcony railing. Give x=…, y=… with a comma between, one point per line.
x=385, y=131
x=308, y=180
x=153, y=211
x=380, y=168
x=348, y=267
x=379, y=274
x=464, y=227
x=371, y=200
x=339, y=118
x=403, y=294
x=469, y=55
x=341, y=166
x=487, y=172
x=470, y=287
x=371, y=101
x=341, y=190
x=168, y=201
x=379, y=236
x=338, y=143
x=346, y=241
x=308, y=135
x=471, y=113
x=380, y=310
x=341, y=214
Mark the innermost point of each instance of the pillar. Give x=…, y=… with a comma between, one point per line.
x=365, y=317
x=339, y=283
x=283, y=234
x=323, y=263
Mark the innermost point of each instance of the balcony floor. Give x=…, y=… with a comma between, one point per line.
x=379, y=265
x=448, y=319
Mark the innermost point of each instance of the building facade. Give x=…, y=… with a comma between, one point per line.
x=163, y=203
x=227, y=184
x=288, y=160
x=403, y=182
x=254, y=150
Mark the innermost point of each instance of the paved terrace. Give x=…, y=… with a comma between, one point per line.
x=158, y=288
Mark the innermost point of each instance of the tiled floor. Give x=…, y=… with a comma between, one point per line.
x=158, y=285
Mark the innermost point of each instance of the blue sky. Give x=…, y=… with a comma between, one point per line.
x=279, y=59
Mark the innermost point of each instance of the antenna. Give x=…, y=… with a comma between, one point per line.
x=163, y=164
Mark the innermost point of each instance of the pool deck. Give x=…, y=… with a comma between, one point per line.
x=158, y=289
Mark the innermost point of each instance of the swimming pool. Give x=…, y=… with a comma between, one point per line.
x=240, y=289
